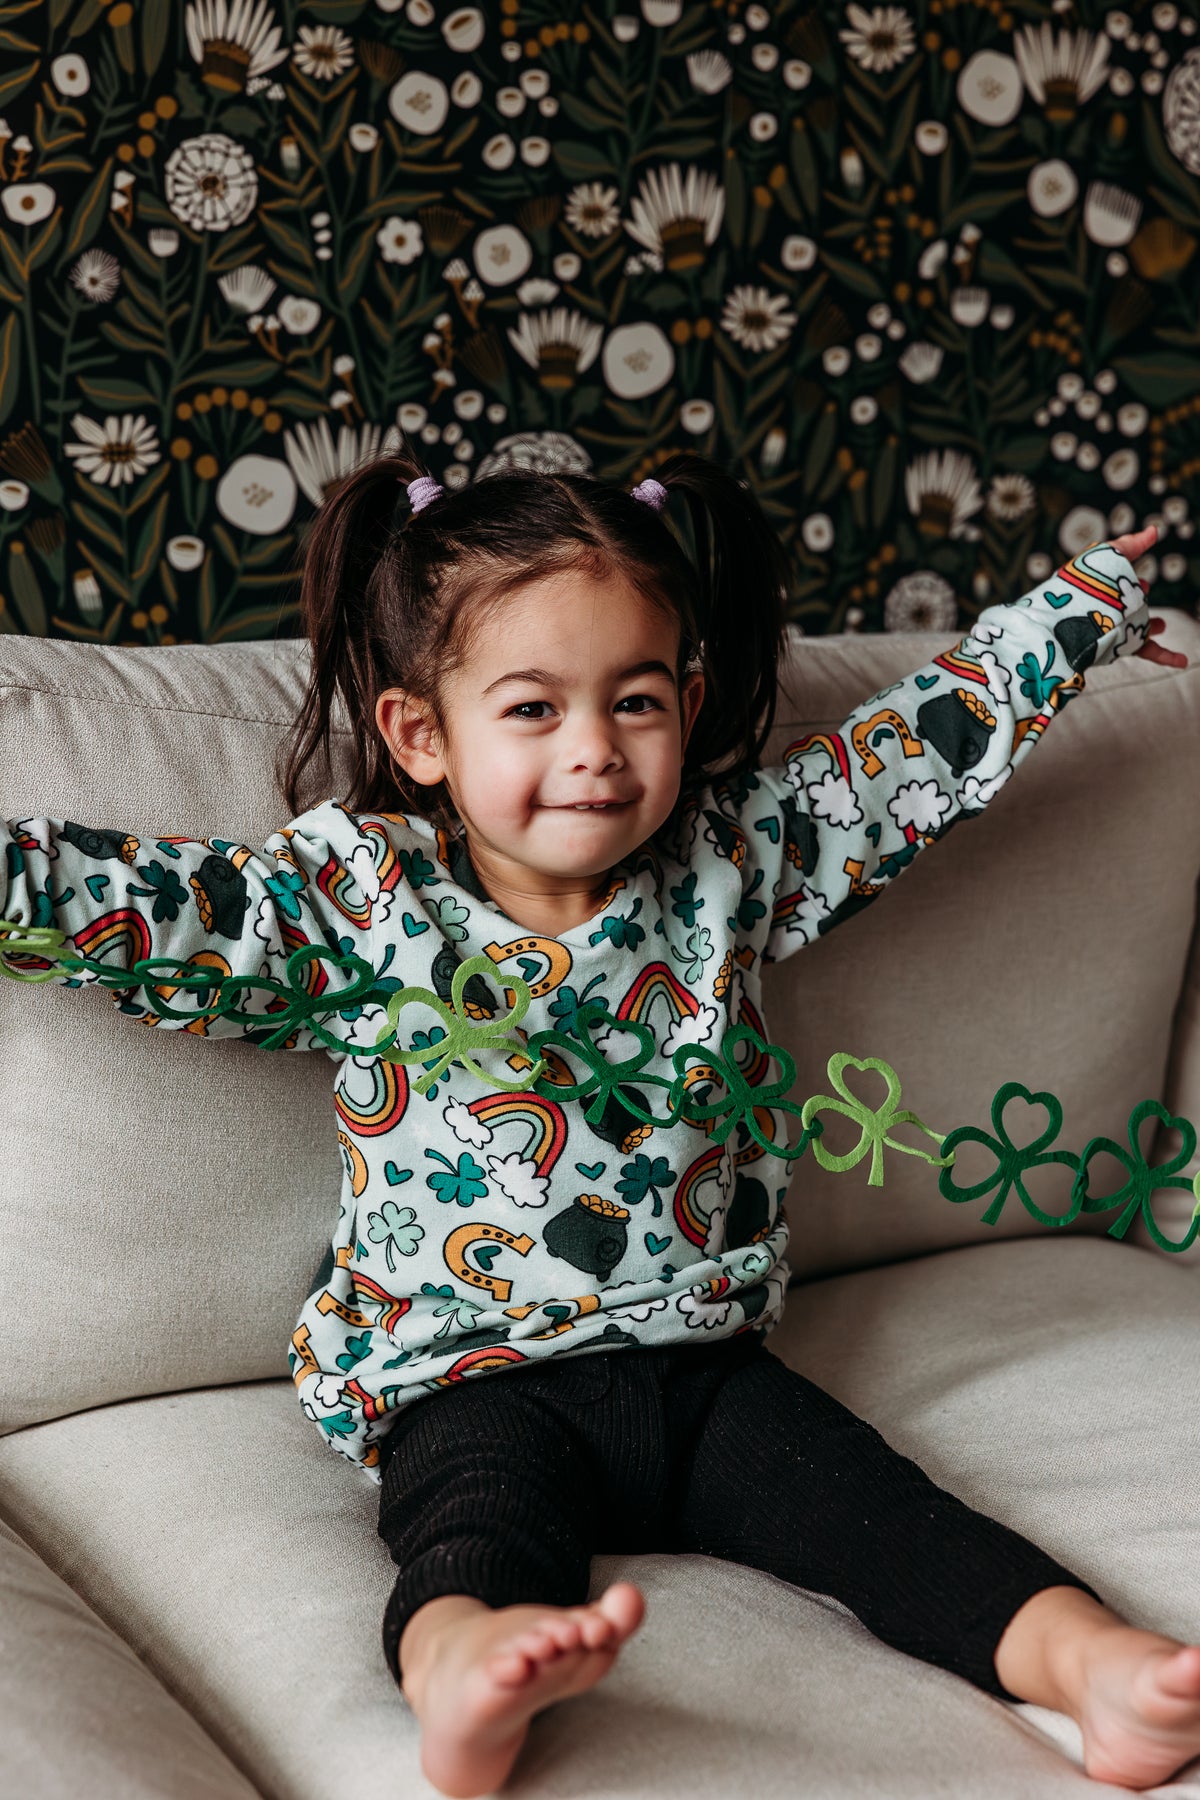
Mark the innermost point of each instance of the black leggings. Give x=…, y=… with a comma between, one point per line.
x=504, y=1487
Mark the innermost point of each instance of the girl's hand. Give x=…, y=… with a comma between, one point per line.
x=1133, y=545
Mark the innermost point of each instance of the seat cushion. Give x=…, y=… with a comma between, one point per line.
x=81, y=1714
x=1045, y=1381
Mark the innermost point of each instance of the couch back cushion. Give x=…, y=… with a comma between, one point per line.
x=166, y=1200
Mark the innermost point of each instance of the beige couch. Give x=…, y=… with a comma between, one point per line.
x=191, y=1586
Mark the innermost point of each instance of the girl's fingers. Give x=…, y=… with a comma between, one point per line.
x=1136, y=543
x=1171, y=659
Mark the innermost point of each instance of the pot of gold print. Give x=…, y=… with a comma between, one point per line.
x=591, y=1234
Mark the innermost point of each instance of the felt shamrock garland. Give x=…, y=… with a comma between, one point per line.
x=544, y=1059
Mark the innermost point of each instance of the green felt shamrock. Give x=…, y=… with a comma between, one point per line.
x=1011, y=1161
x=742, y=1098
x=873, y=1125
x=464, y=1036
x=1136, y=1193
x=33, y=940
x=604, y=1079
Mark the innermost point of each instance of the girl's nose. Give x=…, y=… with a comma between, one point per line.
x=594, y=749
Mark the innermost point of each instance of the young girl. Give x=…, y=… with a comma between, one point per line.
x=535, y=932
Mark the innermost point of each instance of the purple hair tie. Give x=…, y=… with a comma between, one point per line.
x=422, y=489
x=651, y=493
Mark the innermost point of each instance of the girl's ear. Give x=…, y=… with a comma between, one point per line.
x=410, y=730
x=691, y=698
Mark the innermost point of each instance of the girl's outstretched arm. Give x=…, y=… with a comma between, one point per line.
x=214, y=911
x=825, y=833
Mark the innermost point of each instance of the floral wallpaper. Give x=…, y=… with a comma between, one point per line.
x=924, y=275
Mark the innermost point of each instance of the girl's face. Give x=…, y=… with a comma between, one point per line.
x=564, y=731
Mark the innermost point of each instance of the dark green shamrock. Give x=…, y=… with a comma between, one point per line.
x=642, y=1177
x=620, y=930
x=166, y=890
x=464, y=1184
x=744, y=1099
x=1136, y=1193
x=1011, y=1162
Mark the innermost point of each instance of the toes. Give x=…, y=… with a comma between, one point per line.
x=624, y=1605
x=597, y=1630
x=564, y=1631
x=1179, y=1674
x=510, y=1667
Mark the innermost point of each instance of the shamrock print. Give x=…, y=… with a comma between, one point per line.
x=699, y=947
x=356, y=1349
x=394, y=1226
x=419, y=872
x=685, y=904
x=643, y=1176
x=425, y=1040
x=620, y=930
x=166, y=890
x=455, y=1308
x=464, y=1184
x=1036, y=684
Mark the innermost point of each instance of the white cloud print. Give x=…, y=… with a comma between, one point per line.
x=691, y=1029
x=921, y=804
x=999, y=680
x=361, y=864
x=519, y=1180
x=974, y=792
x=465, y=1126
x=807, y=915
x=700, y=1311
x=834, y=799
x=637, y=1310
x=328, y=1390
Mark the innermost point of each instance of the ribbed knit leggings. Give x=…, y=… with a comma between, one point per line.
x=505, y=1486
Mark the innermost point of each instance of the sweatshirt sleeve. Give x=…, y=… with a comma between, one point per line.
x=847, y=811
x=112, y=899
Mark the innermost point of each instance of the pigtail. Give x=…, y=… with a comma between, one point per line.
x=744, y=576
x=352, y=558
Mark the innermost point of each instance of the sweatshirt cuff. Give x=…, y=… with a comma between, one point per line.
x=1117, y=619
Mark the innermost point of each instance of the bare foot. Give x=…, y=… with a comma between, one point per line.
x=475, y=1675
x=1139, y=1707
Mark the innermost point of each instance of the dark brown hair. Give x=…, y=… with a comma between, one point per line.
x=386, y=593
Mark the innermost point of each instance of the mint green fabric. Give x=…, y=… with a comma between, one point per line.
x=478, y=1228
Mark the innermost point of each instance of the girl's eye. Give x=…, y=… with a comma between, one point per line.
x=526, y=710
x=641, y=703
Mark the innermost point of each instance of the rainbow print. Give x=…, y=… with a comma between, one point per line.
x=392, y=1307
x=385, y=1104
x=656, y=981
x=1080, y=574
x=547, y=1128
x=829, y=741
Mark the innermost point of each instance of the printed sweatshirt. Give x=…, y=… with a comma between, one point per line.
x=597, y=1153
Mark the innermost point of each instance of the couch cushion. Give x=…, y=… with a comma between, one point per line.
x=1045, y=1381
x=81, y=1715
x=170, y=1207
